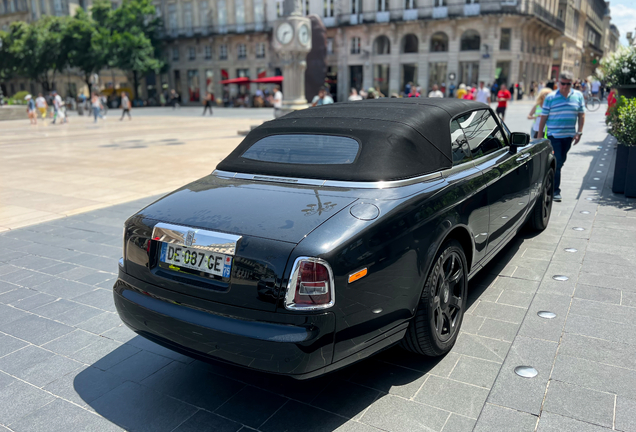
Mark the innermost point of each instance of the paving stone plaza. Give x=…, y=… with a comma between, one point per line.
x=68, y=364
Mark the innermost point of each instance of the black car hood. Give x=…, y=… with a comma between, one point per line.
x=279, y=212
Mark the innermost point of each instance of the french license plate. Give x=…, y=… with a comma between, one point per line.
x=196, y=259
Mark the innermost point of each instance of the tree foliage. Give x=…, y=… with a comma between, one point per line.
x=126, y=38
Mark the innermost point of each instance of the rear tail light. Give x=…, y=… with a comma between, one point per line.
x=310, y=286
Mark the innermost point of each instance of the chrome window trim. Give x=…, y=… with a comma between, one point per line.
x=330, y=183
x=291, y=286
x=211, y=241
x=485, y=158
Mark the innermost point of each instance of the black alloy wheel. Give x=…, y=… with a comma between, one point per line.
x=446, y=298
x=540, y=216
x=435, y=326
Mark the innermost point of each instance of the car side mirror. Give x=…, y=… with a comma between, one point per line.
x=519, y=139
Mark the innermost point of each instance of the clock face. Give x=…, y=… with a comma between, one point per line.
x=284, y=33
x=304, y=35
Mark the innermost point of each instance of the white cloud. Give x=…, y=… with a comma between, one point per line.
x=623, y=17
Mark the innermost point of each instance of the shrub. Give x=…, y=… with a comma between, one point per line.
x=619, y=68
x=624, y=126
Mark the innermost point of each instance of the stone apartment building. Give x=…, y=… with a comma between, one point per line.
x=383, y=43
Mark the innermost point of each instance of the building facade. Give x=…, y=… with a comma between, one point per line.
x=371, y=43
x=383, y=43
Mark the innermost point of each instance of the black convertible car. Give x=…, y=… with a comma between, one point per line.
x=332, y=233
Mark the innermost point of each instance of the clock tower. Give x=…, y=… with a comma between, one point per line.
x=292, y=42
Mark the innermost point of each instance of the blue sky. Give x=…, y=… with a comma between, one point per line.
x=623, y=14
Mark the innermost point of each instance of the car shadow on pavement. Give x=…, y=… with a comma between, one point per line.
x=142, y=386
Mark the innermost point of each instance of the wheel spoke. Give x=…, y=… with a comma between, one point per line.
x=454, y=302
x=439, y=322
x=457, y=276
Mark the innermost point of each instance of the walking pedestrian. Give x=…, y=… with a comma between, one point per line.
x=493, y=92
x=435, y=92
x=174, y=99
x=462, y=91
x=208, y=103
x=31, y=113
x=611, y=100
x=503, y=96
x=278, y=98
x=41, y=105
x=535, y=112
x=125, y=106
x=96, y=104
x=561, y=111
x=57, y=108
x=483, y=94
x=354, y=96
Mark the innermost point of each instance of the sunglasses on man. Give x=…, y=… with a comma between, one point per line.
x=566, y=83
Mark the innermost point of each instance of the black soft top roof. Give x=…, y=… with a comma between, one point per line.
x=399, y=138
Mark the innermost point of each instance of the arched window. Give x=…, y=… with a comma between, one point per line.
x=471, y=41
x=410, y=43
x=439, y=42
x=382, y=45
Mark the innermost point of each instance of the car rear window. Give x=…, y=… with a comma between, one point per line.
x=304, y=149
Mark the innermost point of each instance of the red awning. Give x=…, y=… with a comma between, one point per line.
x=241, y=80
x=269, y=80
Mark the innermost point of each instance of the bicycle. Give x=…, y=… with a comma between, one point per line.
x=592, y=103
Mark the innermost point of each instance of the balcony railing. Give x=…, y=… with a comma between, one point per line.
x=548, y=17
x=13, y=7
x=409, y=15
x=329, y=21
x=383, y=17
x=440, y=12
x=174, y=33
x=472, y=9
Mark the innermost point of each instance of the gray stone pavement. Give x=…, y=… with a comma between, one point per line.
x=68, y=364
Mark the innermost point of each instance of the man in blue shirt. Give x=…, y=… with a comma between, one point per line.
x=560, y=112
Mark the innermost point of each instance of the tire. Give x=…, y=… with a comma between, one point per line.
x=435, y=326
x=593, y=104
x=540, y=215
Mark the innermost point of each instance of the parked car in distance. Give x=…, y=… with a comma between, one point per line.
x=332, y=233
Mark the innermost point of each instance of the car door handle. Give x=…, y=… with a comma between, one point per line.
x=523, y=157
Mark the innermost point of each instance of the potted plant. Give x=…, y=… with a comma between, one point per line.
x=623, y=128
x=619, y=70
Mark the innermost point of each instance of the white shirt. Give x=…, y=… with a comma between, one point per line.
x=40, y=102
x=482, y=95
x=278, y=99
x=596, y=86
x=355, y=97
x=435, y=94
x=57, y=101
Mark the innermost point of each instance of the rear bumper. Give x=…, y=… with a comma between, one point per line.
x=297, y=345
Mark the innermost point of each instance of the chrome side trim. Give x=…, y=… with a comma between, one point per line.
x=291, y=287
x=330, y=183
x=196, y=238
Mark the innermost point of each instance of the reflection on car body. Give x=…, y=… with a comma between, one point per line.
x=355, y=226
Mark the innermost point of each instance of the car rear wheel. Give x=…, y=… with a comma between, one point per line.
x=435, y=326
x=543, y=207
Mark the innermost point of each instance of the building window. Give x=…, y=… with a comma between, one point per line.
x=242, y=73
x=222, y=13
x=471, y=41
x=355, y=7
x=187, y=16
x=259, y=11
x=329, y=45
x=203, y=14
x=410, y=44
x=279, y=8
x=175, y=54
x=504, y=42
x=439, y=3
x=409, y=4
x=561, y=14
x=192, y=53
x=383, y=5
x=239, y=9
x=329, y=8
x=223, y=52
x=260, y=50
x=241, y=51
x=173, y=22
x=472, y=1
x=305, y=7
x=355, y=45
x=208, y=52
x=439, y=42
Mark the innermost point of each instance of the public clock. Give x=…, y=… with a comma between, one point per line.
x=284, y=33
x=304, y=35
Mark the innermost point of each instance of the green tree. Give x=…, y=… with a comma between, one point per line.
x=37, y=50
x=8, y=64
x=87, y=45
x=135, y=43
